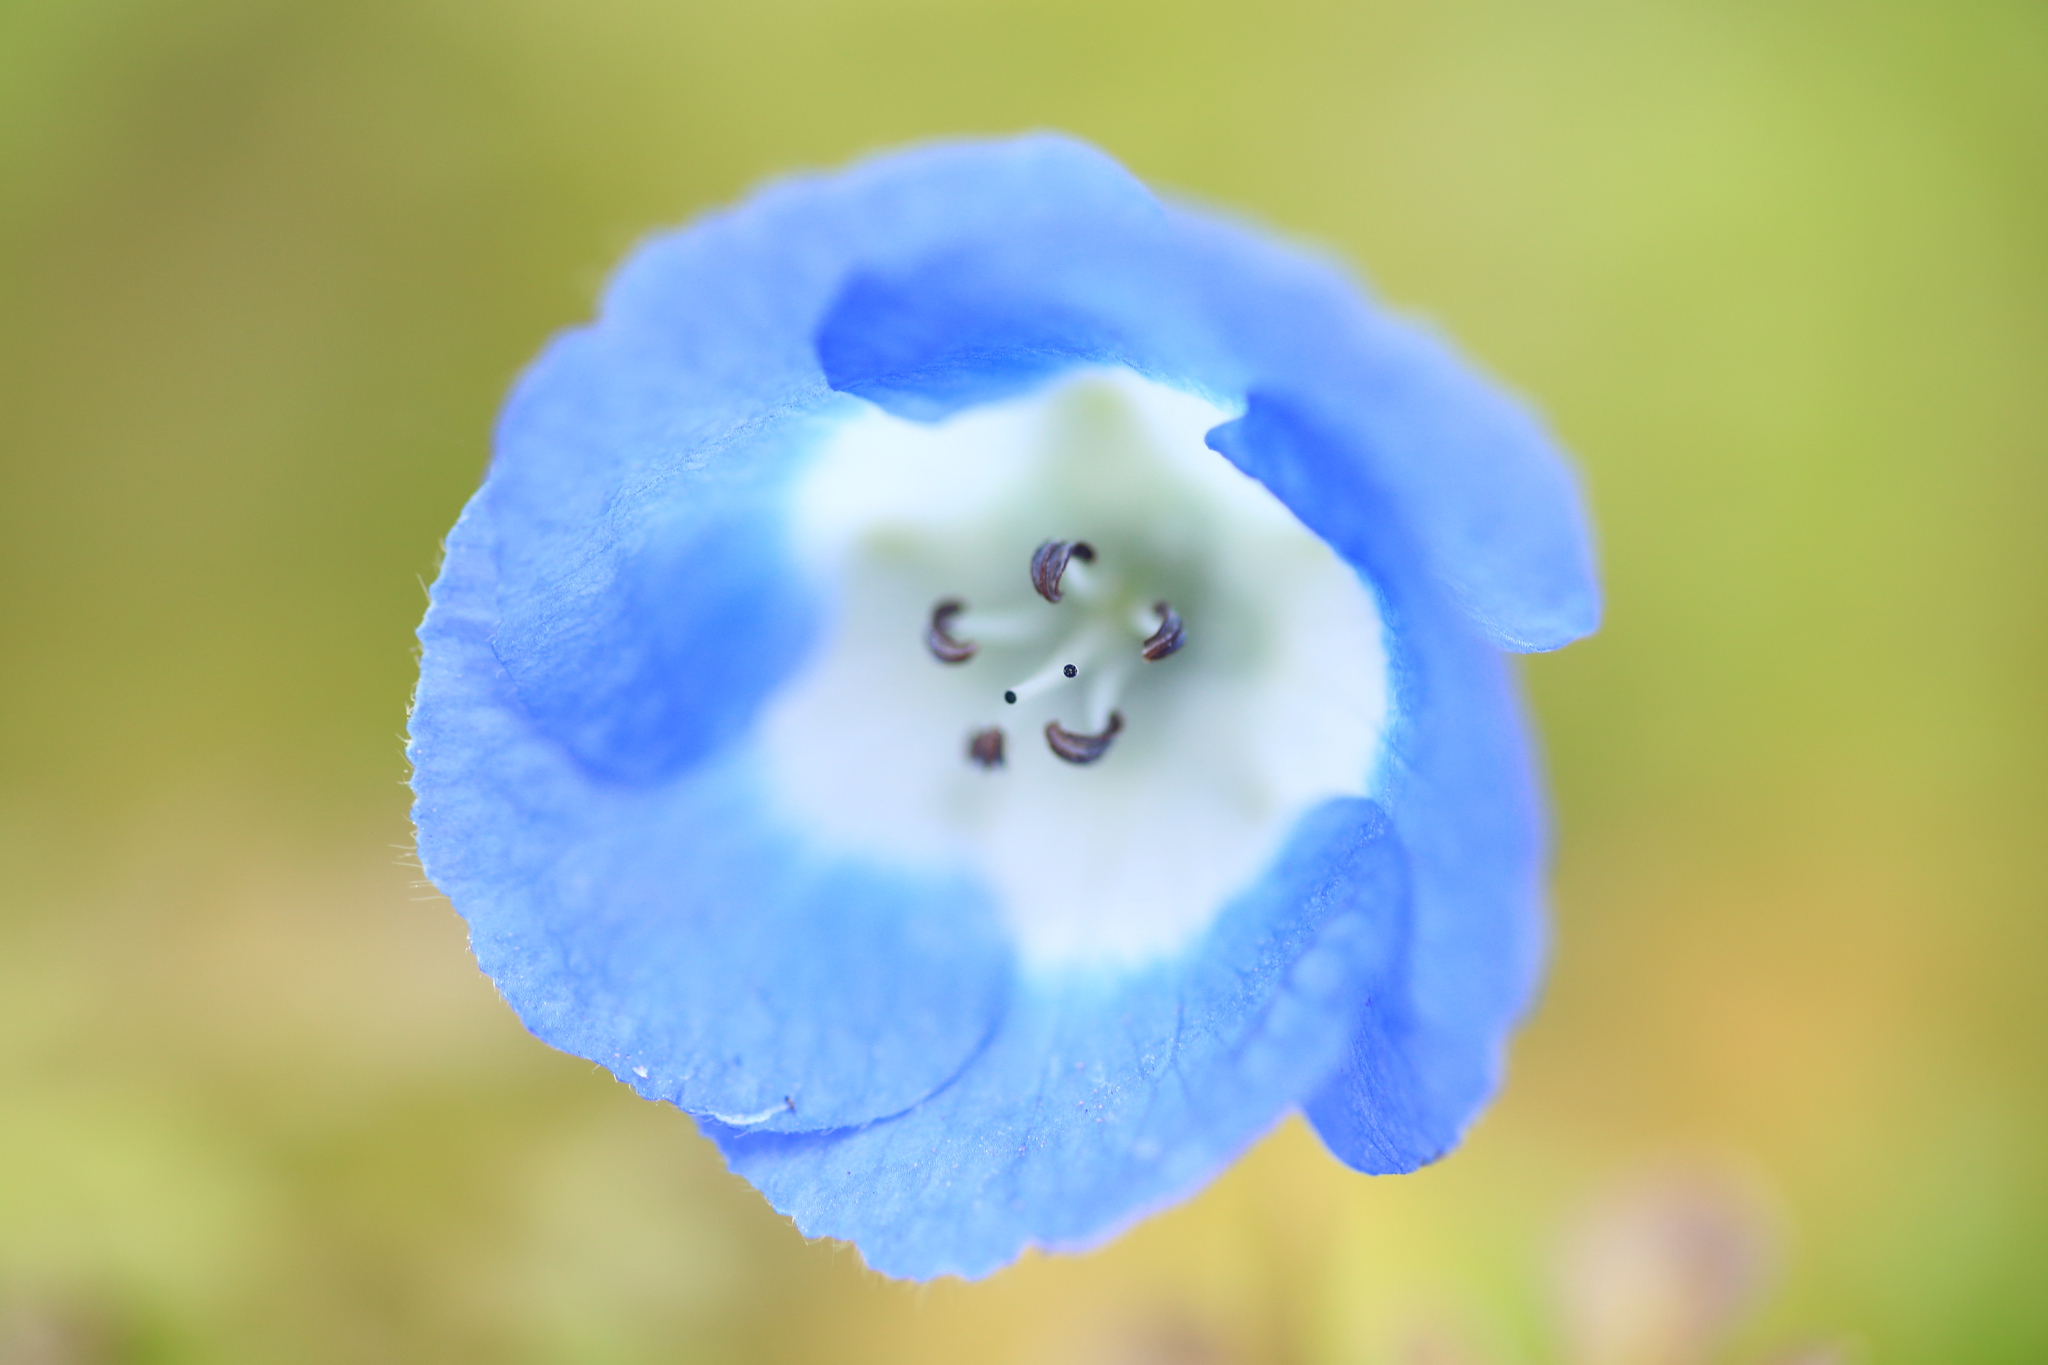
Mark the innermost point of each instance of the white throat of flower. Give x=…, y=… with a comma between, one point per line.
x=1121, y=800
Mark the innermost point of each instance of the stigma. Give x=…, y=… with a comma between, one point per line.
x=1100, y=630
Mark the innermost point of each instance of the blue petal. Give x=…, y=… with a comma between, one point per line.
x=1465, y=804
x=1491, y=507
x=1429, y=1053
x=1104, y=1098
x=1092, y=277
x=679, y=933
x=1461, y=793
x=617, y=604
x=643, y=460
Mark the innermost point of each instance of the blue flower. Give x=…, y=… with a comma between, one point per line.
x=985, y=688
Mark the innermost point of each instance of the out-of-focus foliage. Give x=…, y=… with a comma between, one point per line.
x=1778, y=272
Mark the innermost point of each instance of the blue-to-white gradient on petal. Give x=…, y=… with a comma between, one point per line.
x=1277, y=702
x=634, y=648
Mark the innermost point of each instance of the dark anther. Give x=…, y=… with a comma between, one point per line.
x=985, y=747
x=1070, y=670
x=1049, y=564
x=943, y=646
x=1010, y=697
x=1170, y=635
x=1082, y=748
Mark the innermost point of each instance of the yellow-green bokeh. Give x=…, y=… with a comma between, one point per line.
x=1779, y=275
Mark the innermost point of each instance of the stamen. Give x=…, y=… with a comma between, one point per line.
x=1082, y=748
x=1105, y=687
x=943, y=645
x=1169, y=637
x=1000, y=627
x=1056, y=570
x=1049, y=564
x=985, y=747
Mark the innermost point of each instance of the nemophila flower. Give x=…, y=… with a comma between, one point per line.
x=984, y=687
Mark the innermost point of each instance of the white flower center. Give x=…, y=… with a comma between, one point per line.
x=1277, y=701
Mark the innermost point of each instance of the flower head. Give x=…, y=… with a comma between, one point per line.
x=984, y=687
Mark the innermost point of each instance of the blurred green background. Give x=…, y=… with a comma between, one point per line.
x=1777, y=271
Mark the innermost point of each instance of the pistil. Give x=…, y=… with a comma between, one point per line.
x=1063, y=667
